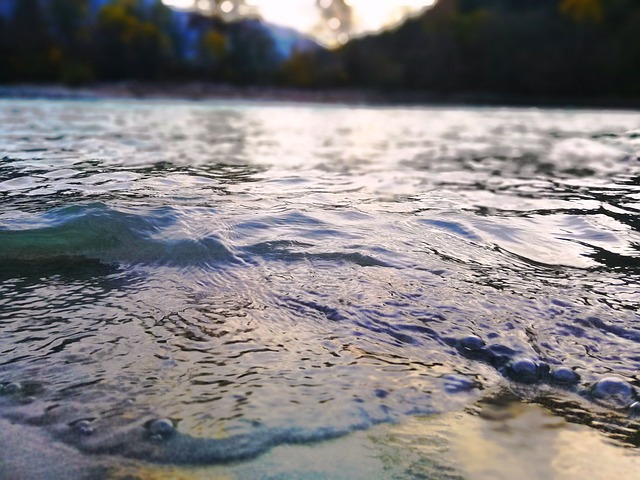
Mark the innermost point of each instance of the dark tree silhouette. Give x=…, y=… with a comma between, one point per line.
x=534, y=49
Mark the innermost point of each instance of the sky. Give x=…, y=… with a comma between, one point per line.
x=329, y=21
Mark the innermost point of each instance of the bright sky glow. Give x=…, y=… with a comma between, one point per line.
x=179, y=3
x=226, y=6
x=301, y=15
x=307, y=16
x=372, y=15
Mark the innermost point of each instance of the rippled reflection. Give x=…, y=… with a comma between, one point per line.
x=263, y=275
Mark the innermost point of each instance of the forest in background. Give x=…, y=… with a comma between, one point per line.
x=82, y=41
x=533, y=48
x=521, y=47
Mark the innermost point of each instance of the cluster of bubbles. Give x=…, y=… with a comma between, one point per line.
x=159, y=439
x=613, y=391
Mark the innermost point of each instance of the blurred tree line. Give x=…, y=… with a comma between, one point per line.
x=517, y=47
x=75, y=42
x=534, y=48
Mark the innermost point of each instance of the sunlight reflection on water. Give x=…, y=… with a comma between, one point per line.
x=260, y=275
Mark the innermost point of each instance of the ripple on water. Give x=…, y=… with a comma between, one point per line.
x=200, y=286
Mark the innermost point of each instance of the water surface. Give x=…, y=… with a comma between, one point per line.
x=268, y=274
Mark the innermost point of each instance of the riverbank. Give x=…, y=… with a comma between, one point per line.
x=212, y=91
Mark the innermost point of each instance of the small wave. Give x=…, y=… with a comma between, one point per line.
x=99, y=233
x=278, y=251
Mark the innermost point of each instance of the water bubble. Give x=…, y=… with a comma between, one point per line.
x=472, y=343
x=12, y=388
x=84, y=427
x=524, y=370
x=613, y=389
x=500, y=355
x=565, y=376
x=161, y=428
x=472, y=347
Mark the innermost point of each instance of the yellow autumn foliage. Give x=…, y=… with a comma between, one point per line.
x=214, y=45
x=582, y=10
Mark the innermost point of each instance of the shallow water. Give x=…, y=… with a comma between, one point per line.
x=270, y=274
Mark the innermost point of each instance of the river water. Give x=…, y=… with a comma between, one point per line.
x=193, y=284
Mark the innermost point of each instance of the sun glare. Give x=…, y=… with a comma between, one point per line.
x=179, y=3
x=298, y=14
x=371, y=16
x=319, y=18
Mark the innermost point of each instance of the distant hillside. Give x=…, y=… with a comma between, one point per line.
x=532, y=49
x=566, y=48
